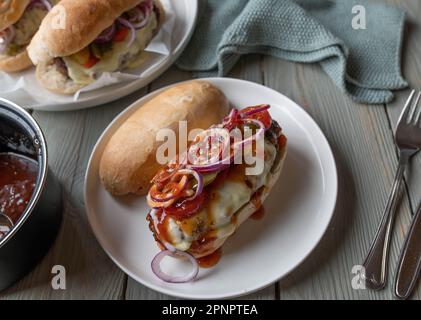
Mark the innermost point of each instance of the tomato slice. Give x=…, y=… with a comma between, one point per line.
x=186, y=209
x=263, y=116
x=121, y=35
x=91, y=62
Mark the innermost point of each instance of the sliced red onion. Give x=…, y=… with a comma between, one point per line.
x=257, y=109
x=144, y=12
x=157, y=205
x=45, y=3
x=129, y=25
x=107, y=35
x=9, y=35
x=199, y=179
x=156, y=266
x=214, y=166
x=231, y=119
x=170, y=196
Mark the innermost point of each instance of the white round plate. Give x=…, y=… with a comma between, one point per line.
x=298, y=210
x=185, y=12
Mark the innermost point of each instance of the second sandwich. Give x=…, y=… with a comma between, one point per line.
x=97, y=36
x=19, y=21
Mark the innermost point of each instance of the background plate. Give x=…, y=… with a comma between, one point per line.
x=186, y=15
x=298, y=210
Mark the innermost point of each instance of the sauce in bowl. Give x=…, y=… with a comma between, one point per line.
x=18, y=175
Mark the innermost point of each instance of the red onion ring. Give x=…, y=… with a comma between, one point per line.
x=45, y=3
x=145, y=9
x=257, y=109
x=199, y=179
x=156, y=204
x=156, y=267
x=129, y=25
x=107, y=35
x=231, y=119
x=170, y=196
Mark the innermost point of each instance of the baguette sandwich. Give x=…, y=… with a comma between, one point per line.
x=201, y=198
x=96, y=36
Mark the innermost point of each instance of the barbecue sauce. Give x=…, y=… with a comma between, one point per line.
x=18, y=176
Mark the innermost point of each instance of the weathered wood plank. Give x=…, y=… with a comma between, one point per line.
x=363, y=145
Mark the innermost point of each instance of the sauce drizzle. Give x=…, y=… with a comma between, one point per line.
x=210, y=260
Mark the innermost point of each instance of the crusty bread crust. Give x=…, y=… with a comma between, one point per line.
x=83, y=23
x=129, y=163
x=11, y=11
x=49, y=77
x=243, y=214
x=15, y=63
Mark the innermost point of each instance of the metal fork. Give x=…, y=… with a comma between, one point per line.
x=408, y=141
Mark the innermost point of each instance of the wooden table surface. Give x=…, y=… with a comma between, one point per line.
x=361, y=137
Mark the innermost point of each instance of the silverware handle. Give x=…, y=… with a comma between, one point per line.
x=410, y=260
x=375, y=263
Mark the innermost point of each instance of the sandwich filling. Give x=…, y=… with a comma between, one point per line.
x=119, y=47
x=188, y=225
x=17, y=37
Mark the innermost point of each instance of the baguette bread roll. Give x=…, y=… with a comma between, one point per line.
x=129, y=163
x=11, y=11
x=84, y=21
x=15, y=63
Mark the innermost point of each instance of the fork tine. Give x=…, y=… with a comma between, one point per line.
x=407, y=108
x=414, y=112
x=418, y=108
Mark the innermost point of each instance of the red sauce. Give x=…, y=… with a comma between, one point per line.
x=210, y=260
x=259, y=214
x=163, y=226
x=17, y=183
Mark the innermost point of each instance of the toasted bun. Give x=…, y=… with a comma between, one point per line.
x=11, y=11
x=49, y=77
x=84, y=21
x=129, y=163
x=15, y=63
x=244, y=213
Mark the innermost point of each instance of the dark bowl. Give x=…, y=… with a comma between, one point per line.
x=32, y=236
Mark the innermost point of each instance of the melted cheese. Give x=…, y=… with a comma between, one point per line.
x=219, y=214
x=121, y=56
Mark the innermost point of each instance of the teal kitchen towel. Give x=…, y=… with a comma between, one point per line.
x=364, y=62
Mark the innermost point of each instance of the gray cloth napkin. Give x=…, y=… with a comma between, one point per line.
x=364, y=63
